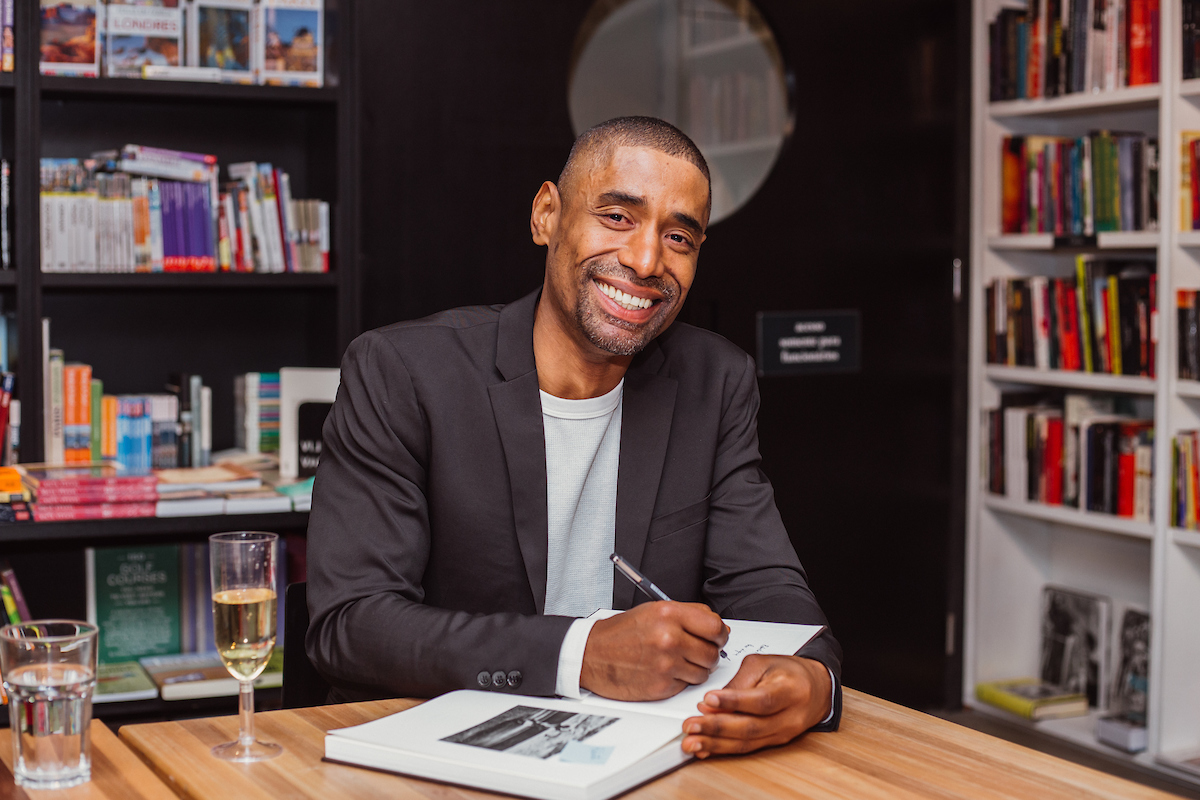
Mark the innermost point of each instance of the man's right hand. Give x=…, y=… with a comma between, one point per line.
x=652, y=651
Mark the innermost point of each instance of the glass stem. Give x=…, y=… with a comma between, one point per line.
x=246, y=713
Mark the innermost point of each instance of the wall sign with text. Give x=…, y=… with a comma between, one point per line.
x=809, y=342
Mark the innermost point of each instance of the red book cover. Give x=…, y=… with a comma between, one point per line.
x=1071, y=346
x=91, y=496
x=1194, y=145
x=76, y=478
x=1053, y=461
x=1155, y=39
x=1010, y=184
x=1139, y=42
x=1193, y=477
x=56, y=513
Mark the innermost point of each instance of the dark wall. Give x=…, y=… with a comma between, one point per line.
x=469, y=116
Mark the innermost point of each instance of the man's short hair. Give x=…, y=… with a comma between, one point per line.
x=596, y=145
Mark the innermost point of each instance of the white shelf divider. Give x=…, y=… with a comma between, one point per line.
x=1188, y=238
x=1187, y=388
x=1136, y=96
x=1090, y=381
x=1109, y=240
x=1065, y=515
x=1185, y=537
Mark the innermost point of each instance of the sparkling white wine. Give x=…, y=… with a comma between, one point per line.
x=244, y=626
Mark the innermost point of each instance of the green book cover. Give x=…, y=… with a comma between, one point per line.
x=97, y=418
x=121, y=681
x=133, y=597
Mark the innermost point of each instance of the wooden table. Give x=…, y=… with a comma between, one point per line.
x=117, y=774
x=882, y=751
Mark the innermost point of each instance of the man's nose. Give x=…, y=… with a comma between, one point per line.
x=643, y=254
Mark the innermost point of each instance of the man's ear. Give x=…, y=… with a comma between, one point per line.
x=543, y=220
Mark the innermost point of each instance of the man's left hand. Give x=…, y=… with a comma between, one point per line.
x=771, y=700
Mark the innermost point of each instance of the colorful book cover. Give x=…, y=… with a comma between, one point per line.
x=143, y=35
x=292, y=49
x=221, y=35
x=133, y=596
x=68, y=37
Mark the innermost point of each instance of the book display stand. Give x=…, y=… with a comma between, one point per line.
x=1015, y=547
x=138, y=328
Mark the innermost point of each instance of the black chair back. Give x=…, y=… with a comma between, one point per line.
x=302, y=685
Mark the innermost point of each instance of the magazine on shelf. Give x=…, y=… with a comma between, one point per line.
x=291, y=49
x=138, y=36
x=1075, y=641
x=68, y=37
x=538, y=747
x=222, y=36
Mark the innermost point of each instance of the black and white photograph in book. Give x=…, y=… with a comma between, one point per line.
x=1075, y=641
x=526, y=731
x=1130, y=684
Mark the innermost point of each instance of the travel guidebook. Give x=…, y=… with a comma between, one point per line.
x=221, y=36
x=292, y=51
x=68, y=37
x=557, y=749
x=138, y=36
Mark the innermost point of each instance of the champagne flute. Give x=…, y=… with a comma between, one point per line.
x=243, y=585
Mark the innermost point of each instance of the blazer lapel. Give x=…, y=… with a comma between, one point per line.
x=517, y=407
x=647, y=406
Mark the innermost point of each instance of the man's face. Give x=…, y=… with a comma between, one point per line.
x=623, y=252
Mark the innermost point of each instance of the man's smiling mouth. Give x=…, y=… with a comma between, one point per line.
x=624, y=300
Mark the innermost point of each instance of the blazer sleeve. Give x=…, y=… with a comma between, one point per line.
x=368, y=544
x=751, y=566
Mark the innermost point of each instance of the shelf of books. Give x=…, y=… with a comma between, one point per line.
x=1085, y=376
x=186, y=206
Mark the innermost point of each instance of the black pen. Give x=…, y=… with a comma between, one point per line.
x=642, y=582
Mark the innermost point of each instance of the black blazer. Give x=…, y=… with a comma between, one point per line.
x=427, y=537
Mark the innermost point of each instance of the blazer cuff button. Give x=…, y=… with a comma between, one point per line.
x=514, y=679
x=484, y=679
x=498, y=679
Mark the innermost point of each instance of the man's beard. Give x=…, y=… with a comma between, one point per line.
x=597, y=324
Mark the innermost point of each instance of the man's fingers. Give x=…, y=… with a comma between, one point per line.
x=731, y=726
x=762, y=700
x=750, y=673
x=700, y=621
x=705, y=746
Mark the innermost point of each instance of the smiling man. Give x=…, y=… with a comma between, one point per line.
x=480, y=465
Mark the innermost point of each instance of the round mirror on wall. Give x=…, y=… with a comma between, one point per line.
x=709, y=67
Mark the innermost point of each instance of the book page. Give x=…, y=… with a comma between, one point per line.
x=745, y=638
x=508, y=737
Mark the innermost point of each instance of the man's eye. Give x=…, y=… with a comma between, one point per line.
x=617, y=217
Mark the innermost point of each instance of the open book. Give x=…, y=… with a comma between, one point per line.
x=552, y=749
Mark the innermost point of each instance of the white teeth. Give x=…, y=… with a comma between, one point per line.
x=626, y=301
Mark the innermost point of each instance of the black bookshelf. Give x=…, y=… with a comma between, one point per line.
x=85, y=533
x=184, y=280
x=136, y=328
x=61, y=87
x=260, y=321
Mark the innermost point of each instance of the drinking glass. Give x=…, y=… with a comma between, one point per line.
x=243, y=585
x=49, y=671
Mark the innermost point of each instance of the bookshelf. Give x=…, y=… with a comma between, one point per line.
x=135, y=329
x=1014, y=548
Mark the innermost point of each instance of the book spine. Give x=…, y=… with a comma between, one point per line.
x=61, y=513
x=10, y=605
x=10, y=580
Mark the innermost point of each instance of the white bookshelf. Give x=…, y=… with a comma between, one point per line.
x=1016, y=548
